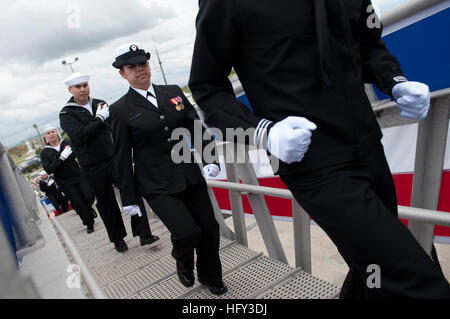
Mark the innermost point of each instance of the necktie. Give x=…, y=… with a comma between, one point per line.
x=154, y=101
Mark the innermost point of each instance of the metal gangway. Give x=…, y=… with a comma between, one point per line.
x=149, y=271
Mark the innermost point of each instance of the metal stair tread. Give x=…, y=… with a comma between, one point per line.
x=149, y=271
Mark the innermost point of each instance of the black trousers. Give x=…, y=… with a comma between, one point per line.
x=355, y=204
x=59, y=201
x=81, y=197
x=189, y=217
x=100, y=178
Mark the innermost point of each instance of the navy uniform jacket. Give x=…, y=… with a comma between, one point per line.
x=51, y=191
x=142, y=131
x=90, y=137
x=291, y=63
x=66, y=172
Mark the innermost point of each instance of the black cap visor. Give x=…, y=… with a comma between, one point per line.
x=130, y=60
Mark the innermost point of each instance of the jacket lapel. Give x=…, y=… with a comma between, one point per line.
x=161, y=96
x=136, y=99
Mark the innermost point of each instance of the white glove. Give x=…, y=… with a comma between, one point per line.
x=413, y=98
x=211, y=170
x=102, y=111
x=289, y=139
x=66, y=153
x=132, y=210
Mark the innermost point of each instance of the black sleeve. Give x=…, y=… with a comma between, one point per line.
x=378, y=65
x=50, y=161
x=43, y=186
x=77, y=131
x=123, y=168
x=216, y=44
x=192, y=119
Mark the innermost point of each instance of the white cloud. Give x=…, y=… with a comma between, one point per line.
x=38, y=39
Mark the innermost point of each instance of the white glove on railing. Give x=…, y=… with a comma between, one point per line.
x=132, y=210
x=413, y=98
x=290, y=138
x=102, y=111
x=66, y=153
x=211, y=170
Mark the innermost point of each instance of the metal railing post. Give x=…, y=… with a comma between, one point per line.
x=225, y=231
x=235, y=196
x=302, y=237
x=260, y=210
x=24, y=187
x=430, y=152
x=32, y=197
x=27, y=231
x=13, y=285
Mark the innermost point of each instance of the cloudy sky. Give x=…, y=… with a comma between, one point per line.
x=38, y=35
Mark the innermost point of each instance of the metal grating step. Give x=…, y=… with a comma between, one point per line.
x=132, y=284
x=249, y=280
x=150, y=271
x=113, y=273
x=231, y=256
x=302, y=286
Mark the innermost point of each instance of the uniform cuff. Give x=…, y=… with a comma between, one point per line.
x=261, y=132
x=100, y=117
x=396, y=80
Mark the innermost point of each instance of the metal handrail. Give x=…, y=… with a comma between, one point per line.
x=392, y=104
x=406, y=10
x=411, y=213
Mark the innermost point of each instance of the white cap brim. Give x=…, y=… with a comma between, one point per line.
x=49, y=128
x=76, y=78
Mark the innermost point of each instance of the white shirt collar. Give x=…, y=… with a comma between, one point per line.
x=88, y=107
x=144, y=92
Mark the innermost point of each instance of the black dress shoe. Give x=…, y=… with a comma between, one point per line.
x=121, y=246
x=148, y=240
x=90, y=228
x=185, y=275
x=186, y=278
x=217, y=290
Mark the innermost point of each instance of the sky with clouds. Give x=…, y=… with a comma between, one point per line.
x=37, y=35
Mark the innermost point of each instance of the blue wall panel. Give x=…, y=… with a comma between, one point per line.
x=423, y=50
